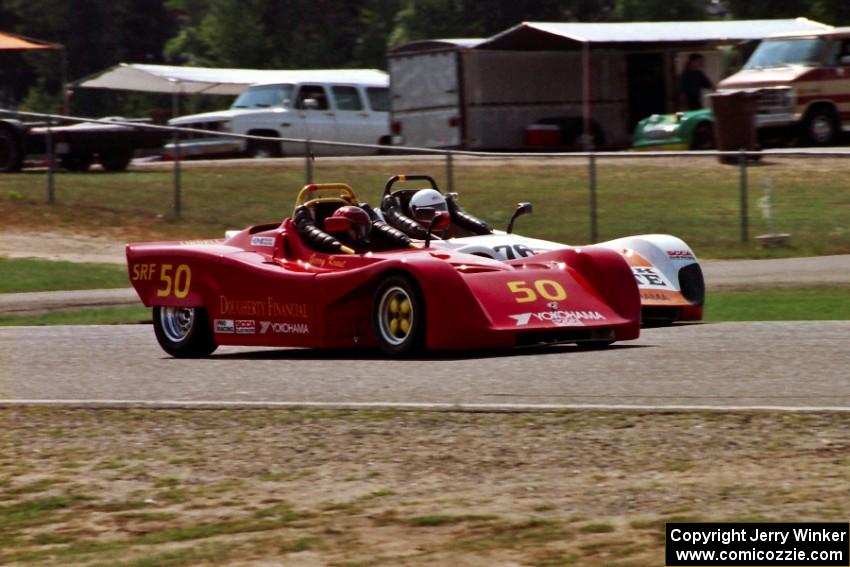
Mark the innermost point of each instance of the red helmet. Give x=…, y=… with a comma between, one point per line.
x=360, y=223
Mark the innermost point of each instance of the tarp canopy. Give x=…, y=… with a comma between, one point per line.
x=435, y=44
x=18, y=43
x=206, y=80
x=553, y=35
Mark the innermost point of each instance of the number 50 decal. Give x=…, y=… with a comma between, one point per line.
x=178, y=284
x=548, y=289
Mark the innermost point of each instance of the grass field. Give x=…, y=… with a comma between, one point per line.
x=30, y=274
x=346, y=489
x=697, y=200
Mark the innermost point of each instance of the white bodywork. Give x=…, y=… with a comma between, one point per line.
x=666, y=253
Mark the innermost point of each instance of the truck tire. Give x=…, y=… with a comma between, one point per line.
x=11, y=156
x=820, y=127
x=79, y=162
x=115, y=160
x=257, y=149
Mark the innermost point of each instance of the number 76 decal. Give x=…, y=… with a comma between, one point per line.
x=548, y=289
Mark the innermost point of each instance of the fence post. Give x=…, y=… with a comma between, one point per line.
x=742, y=167
x=450, y=174
x=308, y=155
x=178, y=197
x=51, y=192
x=594, y=229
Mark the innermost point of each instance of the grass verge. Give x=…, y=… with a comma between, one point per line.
x=697, y=200
x=91, y=316
x=341, y=488
x=808, y=304
x=30, y=274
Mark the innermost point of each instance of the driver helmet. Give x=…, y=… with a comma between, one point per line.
x=425, y=203
x=361, y=224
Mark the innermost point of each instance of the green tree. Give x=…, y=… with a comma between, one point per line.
x=660, y=10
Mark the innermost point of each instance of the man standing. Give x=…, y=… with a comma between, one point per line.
x=693, y=81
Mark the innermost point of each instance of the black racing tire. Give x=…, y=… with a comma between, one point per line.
x=820, y=127
x=184, y=332
x=115, y=160
x=259, y=150
x=594, y=345
x=703, y=138
x=79, y=162
x=398, y=316
x=11, y=158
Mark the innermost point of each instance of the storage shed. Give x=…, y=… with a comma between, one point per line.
x=570, y=77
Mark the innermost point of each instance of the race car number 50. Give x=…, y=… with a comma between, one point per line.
x=548, y=289
x=177, y=284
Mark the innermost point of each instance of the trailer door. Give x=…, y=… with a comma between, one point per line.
x=425, y=99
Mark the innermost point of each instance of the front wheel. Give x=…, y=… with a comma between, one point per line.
x=820, y=128
x=183, y=332
x=398, y=316
x=116, y=160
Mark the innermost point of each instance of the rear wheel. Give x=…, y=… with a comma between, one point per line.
x=79, y=162
x=257, y=149
x=398, y=316
x=703, y=138
x=116, y=160
x=183, y=332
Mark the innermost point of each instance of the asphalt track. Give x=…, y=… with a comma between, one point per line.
x=775, y=365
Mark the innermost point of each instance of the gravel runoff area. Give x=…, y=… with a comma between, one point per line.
x=311, y=488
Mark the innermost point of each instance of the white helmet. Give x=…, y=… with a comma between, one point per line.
x=425, y=203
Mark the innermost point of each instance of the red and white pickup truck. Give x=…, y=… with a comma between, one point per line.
x=802, y=84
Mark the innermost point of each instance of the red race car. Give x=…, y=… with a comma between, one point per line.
x=317, y=280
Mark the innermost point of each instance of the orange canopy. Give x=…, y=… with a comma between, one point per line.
x=9, y=41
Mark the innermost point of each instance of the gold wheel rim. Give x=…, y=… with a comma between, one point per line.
x=396, y=315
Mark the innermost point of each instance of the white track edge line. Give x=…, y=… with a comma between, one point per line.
x=408, y=406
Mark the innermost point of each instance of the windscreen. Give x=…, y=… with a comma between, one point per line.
x=264, y=97
x=784, y=52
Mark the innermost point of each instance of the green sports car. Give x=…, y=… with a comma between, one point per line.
x=691, y=130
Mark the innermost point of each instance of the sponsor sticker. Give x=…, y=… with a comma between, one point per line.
x=559, y=318
x=245, y=326
x=284, y=328
x=224, y=325
x=680, y=255
x=262, y=241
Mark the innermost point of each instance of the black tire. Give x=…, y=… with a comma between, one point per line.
x=183, y=332
x=703, y=138
x=594, y=345
x=11, y=158
x=393, y=339
x=259, y=150
x=79, y=162
x=820, y=127
x=115, y=160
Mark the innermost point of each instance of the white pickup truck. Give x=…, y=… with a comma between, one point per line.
x=346, y=105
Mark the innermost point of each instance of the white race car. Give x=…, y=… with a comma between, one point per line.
x=668, y=274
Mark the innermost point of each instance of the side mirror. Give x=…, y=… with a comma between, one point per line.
x=311, y=104
x=524, y=208
x=439, y=221
x=337, y=225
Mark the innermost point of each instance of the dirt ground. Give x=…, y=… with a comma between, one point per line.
x=302, y=488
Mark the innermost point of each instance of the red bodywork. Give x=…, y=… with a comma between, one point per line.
x=264, y=287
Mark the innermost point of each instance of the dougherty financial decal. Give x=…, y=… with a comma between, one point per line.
x=262, y=308
x=559, y=318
